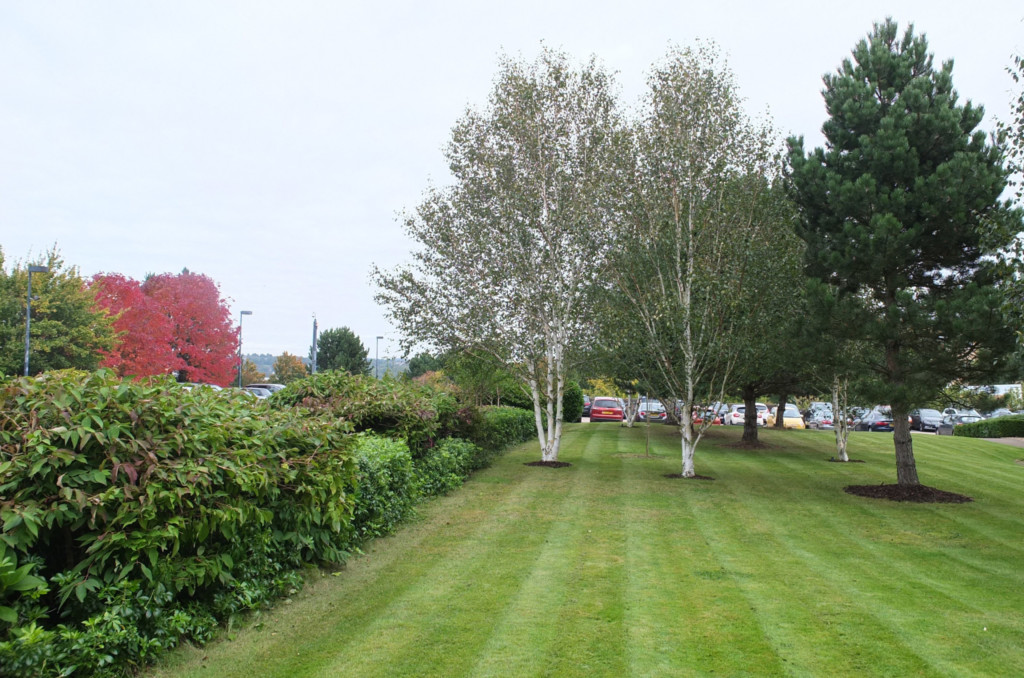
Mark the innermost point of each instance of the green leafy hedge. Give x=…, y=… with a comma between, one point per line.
x=1011, y=426
x=122, y=498
x=499, y=427
x=418, y=413
x=387, y=486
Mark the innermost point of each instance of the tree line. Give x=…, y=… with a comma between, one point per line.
x=689, y=246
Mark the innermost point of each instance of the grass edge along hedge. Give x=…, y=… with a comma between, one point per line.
x=226, y=472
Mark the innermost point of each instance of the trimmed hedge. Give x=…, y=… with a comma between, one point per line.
x=1011, y=426
x=387, y=486
x=143, y=512
x=500, y=427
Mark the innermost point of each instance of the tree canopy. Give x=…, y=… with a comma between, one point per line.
x=341, y=349
x=203, y=338
x=67, y=331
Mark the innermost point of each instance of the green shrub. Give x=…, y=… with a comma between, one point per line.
x=419, y=413
x=387, y=486
x=1011, y=426
x=572, y=402
x=501, y=427
x=445, y=466
x=161, y=496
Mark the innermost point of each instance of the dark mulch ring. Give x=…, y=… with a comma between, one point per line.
x=548, y=464
x=848, y=461
x=916, y=493
x=680, y=475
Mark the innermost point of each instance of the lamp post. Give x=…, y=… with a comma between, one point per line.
x=28, y=307
x=313, y=366
x=376, y=357
x=241, y=314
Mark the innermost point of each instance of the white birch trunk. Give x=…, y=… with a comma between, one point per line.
x=690, y=440
x=839, y=421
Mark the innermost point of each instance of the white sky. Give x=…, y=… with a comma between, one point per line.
x=271, y=145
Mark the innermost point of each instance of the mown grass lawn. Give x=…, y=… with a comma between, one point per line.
x=608, y=568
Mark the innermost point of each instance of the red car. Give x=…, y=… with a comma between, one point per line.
x=605, y=409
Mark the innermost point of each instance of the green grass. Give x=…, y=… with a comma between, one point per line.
x=608, y=568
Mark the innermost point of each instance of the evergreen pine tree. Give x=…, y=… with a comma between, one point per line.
x=898, y=212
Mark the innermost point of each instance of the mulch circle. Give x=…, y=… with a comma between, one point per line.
x=848, y=461
x=548, y=464
x=681, y=476
x=921, y=494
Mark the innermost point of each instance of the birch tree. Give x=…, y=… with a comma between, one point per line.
x=510, y=254
x=697, y=193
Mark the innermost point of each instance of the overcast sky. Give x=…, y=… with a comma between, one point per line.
x=271, y=145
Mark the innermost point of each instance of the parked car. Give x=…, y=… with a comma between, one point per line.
x=925, y=419
x=606, y=409
x=651, y=410
x=273, y=388
x=586, y=406
x=257, y=391
x=1001, y=412
x=821, y=419
x=951, y=421
x=737, y=413
x=878, y=419
x=791, y=417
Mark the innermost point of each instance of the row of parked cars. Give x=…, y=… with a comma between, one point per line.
x=817, y=416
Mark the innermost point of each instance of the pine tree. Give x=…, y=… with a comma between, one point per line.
x=341, y=349
x=898, y=212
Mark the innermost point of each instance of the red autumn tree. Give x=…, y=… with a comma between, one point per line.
x=203, y=336
x=144, y=330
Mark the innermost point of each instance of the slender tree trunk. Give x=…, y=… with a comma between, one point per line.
x=780, y=411
x=906, y=467
x=749, y=415
x=689, y=443
x=839, y=418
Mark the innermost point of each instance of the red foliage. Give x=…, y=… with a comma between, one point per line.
x=144, y=330
x=203, y=337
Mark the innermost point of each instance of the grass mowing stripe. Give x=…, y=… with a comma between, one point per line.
x=683, y=617
x=460, y=601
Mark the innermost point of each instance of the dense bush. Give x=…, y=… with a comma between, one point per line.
x=499, y=427
x=418, y=413
x=120, y=499
x=572, y=402
x=1011, y=426
x=445, y=466
x=387, y=486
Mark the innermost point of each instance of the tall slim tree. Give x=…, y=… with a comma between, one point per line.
x=341, y=349
x=510, y=255
x=898, y=212
x=698, y=194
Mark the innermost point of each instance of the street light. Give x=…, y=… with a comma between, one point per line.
x=240, y=314
x=376, y=357
x=28, y=307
